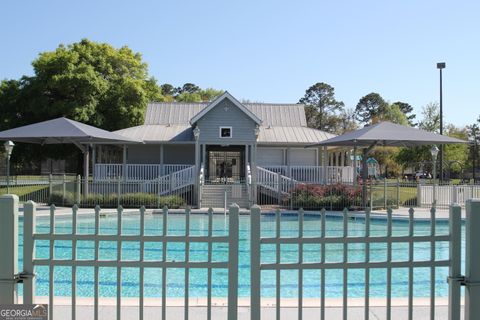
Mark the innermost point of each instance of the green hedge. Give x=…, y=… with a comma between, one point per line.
x=128, y=200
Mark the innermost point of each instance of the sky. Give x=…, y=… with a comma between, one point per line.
x=272, y=51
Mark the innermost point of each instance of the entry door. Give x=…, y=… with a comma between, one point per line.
x=225, y=166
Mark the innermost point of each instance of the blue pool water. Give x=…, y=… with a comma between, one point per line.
x=198, y=252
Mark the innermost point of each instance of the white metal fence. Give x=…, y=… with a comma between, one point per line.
x=165, y=263
x=314, y=174
x=446, y=194
x=9, y=276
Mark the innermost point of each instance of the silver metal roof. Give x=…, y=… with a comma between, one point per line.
x=291, y=135
x=292, y=115
x=63, y=130
x=160, y=132
x=389, y=134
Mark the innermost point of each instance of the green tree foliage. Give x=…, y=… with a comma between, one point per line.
x=370, y=107
x=407, y=110
x=189, y=92
x=431, y=117
x=322, y=108
x=456, y=155
x=89, y=82
x=392, y=113
x=473, y=131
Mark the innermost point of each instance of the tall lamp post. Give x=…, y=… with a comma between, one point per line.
x=8, y=150
x=441, y=66
x=434, y=151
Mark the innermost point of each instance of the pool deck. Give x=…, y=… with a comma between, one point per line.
x=197, y=309
x=401, y=213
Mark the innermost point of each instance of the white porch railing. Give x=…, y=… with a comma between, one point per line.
x=102, y=171
x=314, y=174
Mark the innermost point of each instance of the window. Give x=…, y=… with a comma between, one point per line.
x=225, y=132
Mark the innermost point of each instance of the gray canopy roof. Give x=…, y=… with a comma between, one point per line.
x=388, y=134
x=63, y=130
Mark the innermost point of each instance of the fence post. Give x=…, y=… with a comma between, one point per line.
x=29, y=226
x=50, y=188
x=472, y=260
x=255, y=262
x=8, y=248
x=233, y=261
x=455, y=257
x=79, y=190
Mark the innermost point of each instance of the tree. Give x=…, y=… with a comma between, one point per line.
x=474, y=138
x=456, y=155
x=431, y=117
x=369, y=107
x=322, y=108
x=393, y=114
x=407, y=110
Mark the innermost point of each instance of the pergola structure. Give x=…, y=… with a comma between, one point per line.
x=66, y=131
x=383, y=134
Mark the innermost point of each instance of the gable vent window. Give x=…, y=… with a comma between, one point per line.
x=225, y=132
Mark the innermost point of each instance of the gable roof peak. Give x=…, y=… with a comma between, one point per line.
x=220, y=98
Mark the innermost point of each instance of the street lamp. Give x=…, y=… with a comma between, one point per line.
x=434, y=151
x=441, y=66
x=8, y=150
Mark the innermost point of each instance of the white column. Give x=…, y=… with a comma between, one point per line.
x=355, y=166
x=324, y=160
x=94, y=159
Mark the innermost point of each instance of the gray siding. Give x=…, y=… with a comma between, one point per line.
x=143, y=154
x=228, y=115
x=302, y=157
x=179, y=154
x=270, y=157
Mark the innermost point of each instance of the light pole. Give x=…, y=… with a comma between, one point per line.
x=441, y=66
x=434, y=151
x=8, y=150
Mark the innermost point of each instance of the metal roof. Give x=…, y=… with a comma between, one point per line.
x=154, y=133
x=389, y=134
x=271, y=114
x=63, y=130
x=292, y=135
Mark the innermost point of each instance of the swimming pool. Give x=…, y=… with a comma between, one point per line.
x=198, y=252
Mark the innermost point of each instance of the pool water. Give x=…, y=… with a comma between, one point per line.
x=198, y=252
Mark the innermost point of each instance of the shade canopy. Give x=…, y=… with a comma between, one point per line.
x=388, y=134
x=63, y=130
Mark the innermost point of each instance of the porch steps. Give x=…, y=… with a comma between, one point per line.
x=213, y=195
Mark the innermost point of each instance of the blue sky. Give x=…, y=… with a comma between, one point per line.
x=272, y=51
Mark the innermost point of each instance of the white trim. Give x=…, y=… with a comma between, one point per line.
x=220, y=132
x=219, y=99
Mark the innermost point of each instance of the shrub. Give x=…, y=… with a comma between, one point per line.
x=128, y=200
x=335, y=197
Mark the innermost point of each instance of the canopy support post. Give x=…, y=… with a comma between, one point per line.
x=355, y=165
x=86, y=165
